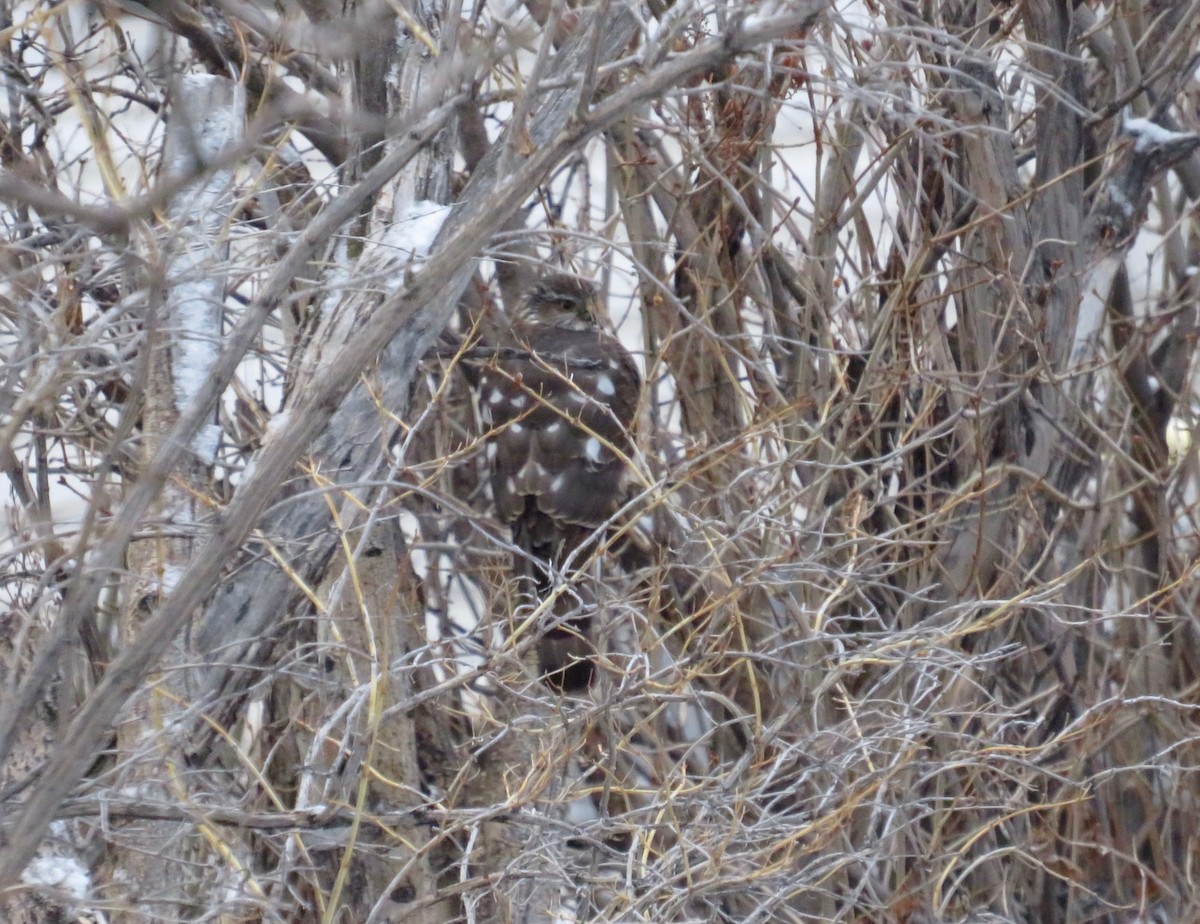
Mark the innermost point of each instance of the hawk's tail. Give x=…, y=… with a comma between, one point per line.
x=565, y=649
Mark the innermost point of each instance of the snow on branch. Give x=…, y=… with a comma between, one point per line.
x=417, y=227
x=1148, y=135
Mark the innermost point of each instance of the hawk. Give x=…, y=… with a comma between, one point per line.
x=561, y=407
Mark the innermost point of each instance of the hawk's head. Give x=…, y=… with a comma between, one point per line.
x=558, y=300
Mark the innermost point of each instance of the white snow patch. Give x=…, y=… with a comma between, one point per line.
x=1179, y=439
x=581, y=810
x=170, y=577
x=417, y=227
x=63, y=873
x=58, y=830
x=1151, y=134
x=466, y=603
x=420, y=562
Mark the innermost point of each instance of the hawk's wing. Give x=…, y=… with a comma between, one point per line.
x=561, y=420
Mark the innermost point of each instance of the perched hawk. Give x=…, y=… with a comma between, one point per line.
x=561, y=408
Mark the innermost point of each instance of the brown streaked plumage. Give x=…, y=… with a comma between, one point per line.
x=561, y=416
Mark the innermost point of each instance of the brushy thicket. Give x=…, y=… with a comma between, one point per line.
x=898, y=621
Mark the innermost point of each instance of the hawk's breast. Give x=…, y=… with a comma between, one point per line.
x=560, y=421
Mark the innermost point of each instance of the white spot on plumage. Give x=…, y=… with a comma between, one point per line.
x=605, y=386
x=495, y=396
x=532, y=470
x=614, y=364
x=510, y=485
x=554, y=427
x=516, y=428
x=592, y=449
x=558, y=482
x=490, y=451
x=519, y=401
